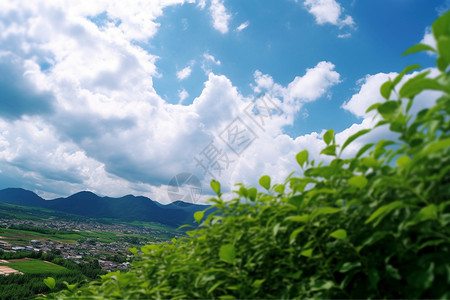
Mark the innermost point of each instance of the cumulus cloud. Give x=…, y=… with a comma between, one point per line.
x=184, y=73
x=208, y=62
x=182, y=95
x=220, y=16
x=201, y=4
x=369, y=93
x=328, y=11
x=96, y=122
x=314, y=83
x=309, y=87
x=243, y=26
x=19, y=94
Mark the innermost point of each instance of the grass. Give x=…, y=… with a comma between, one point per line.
x=155, y=226
x=16, y=236
x=35, y=266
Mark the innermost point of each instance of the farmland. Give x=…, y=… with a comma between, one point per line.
x=34, y=266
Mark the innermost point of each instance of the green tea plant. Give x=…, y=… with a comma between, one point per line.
x=372, y=226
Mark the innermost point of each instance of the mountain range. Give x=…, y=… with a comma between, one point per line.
x=126, y=208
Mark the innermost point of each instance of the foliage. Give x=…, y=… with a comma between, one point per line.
x=371, y=226
x=16, y=286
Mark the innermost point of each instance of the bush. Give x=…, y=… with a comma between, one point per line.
x=372, y=226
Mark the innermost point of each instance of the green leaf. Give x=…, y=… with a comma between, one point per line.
x=369, y=162
x=191, y=233
x=441, y=63
x=390, y=109
x=415, y=86
x=50, y=282
x=198, y=216
x=70, y=287
x=339, y=234
x=257, y=283
x=421, y=278
x=405, y=71
x=322, y=285
x=384, y=210
x=363, y=150
x=354, y=137
x=227, y=253
x=215, y=286
x=252, y=193
x=441, y=26
x=372, y=107
x=326, y=211
x=328, y=136
x=307, y=253
x=379, y=148
x=215, y=185
x=358, y=181
x=330, y=150
x=429, y=212
x=386, y=89
x=279, y=188
x=418, y=48
x=374, y=277
x=302, y=157
x=302, y=218
x=348, y=266
x=435, y=147
x=295, y=233
x=264, y=181
x=393, y=272
x=403, y=161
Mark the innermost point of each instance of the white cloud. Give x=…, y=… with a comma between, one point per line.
x=344, y=35
x=201, y=4
x=314, y=83
x=110, y=131
x=428, y=39
x=220, y=16
x=328, y=11
x=243, y=26
x=210, y=58
x=208, y=62
x=182, y=95
x=184, y=73
x=369, y=94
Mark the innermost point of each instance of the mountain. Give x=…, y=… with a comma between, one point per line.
x=126, y=208
x=21, y=197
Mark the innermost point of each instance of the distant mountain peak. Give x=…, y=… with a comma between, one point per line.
x=89, y=204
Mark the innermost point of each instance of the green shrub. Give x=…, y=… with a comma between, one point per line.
x=372, y=226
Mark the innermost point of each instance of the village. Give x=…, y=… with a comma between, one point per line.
x=112, y=252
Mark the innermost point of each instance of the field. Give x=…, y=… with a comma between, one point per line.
x=34, y=266
x=15, y=236
x=21, y=236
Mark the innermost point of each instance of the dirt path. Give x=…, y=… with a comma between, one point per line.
x=4, y=270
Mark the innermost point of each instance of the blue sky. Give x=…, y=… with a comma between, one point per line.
x=118, y=97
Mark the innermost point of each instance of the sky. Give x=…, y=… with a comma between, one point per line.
x=121, y=97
